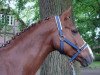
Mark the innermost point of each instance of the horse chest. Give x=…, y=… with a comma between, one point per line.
x=10, y=65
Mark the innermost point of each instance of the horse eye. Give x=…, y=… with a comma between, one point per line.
x=68, y=17
x=74, y=31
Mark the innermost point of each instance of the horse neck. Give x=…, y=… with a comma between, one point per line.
x=35, y=43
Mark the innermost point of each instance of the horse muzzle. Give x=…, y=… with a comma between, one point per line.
x=86, y=61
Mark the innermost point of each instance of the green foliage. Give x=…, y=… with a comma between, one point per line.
x=87, y=17
x=24, y=10
x=97, y=57
x=97, y=50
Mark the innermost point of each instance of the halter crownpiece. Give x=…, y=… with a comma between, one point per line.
x=64, y=39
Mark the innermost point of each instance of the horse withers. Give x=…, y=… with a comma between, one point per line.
x=24, y=54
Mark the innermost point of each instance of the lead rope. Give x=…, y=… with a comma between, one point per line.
x=71, y=68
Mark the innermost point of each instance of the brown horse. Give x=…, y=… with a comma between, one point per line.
x=24, y=54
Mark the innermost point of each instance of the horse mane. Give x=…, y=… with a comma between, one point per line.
x=23, y=31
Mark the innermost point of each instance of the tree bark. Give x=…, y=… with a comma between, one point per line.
x=55, y=63
x=53, y=7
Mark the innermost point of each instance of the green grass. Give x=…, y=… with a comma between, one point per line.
x=95, y=64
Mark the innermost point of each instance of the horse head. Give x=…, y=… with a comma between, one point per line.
x=67, y=40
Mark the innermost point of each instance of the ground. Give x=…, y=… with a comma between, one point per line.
x=93, y=69
x=89, y=71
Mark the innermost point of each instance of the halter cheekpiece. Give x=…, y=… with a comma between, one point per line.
x=65, y=40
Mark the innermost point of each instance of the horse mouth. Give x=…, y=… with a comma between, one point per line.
x=85, y=61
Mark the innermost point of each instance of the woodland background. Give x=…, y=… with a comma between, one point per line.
x=86, y=14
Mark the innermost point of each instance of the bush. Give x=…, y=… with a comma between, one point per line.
x=97, y=57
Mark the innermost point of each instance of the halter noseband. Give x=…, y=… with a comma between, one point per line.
x=64, y=39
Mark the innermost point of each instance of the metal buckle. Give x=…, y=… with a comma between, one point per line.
x=62, y=37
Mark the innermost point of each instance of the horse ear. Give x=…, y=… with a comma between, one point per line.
x=66, y=13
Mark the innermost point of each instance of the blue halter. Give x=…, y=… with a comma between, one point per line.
x=63, y=39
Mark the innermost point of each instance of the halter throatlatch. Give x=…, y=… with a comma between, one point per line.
x=64, y=39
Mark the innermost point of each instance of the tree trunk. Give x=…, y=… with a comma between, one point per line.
x=55, y=63
x=53, y=7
